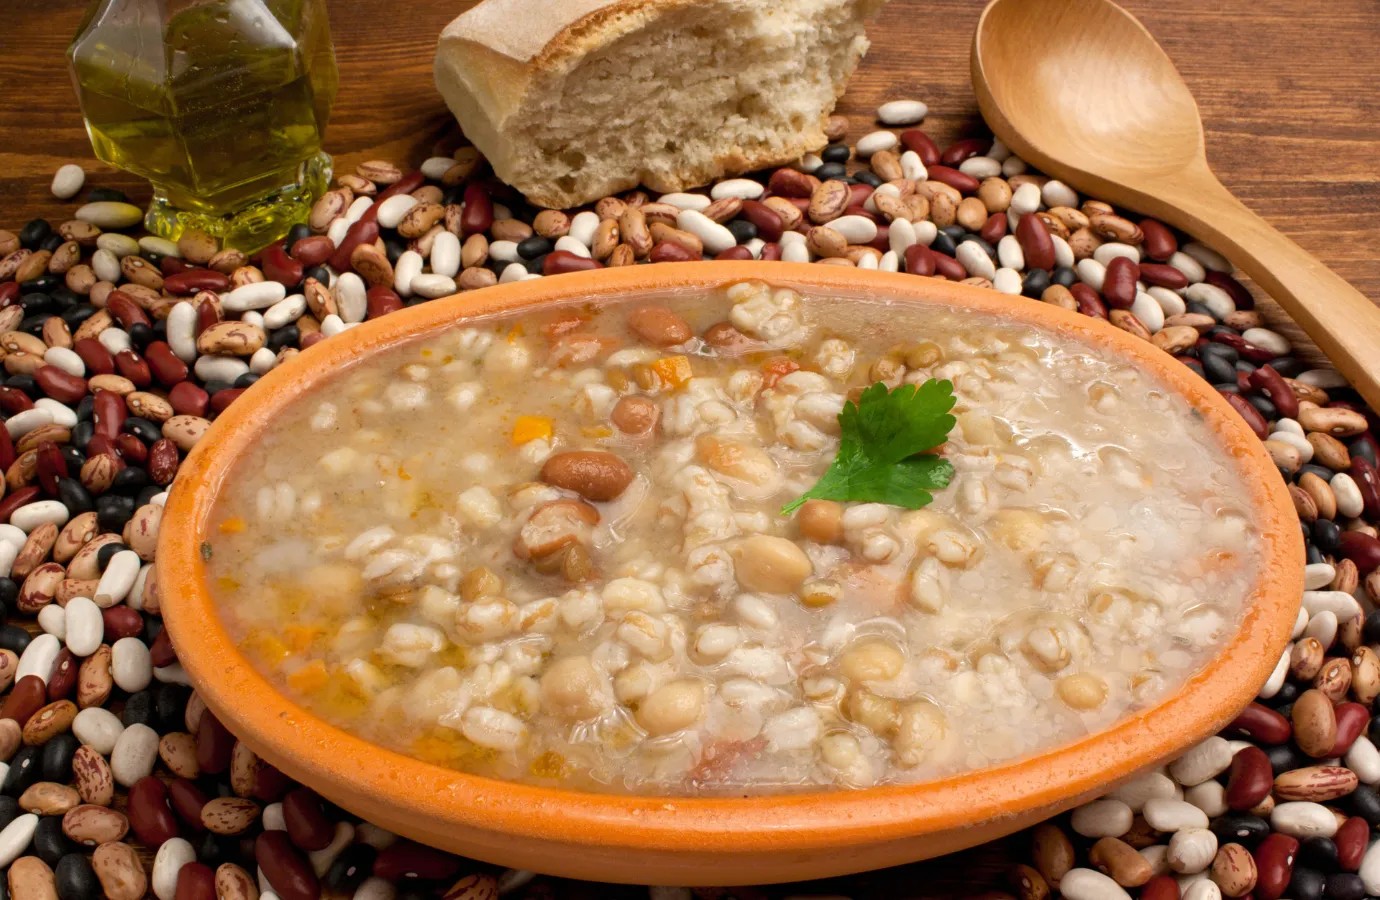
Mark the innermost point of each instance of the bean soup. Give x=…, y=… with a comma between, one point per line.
x=550, y=547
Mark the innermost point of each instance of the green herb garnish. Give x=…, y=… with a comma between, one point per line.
x=881, y=456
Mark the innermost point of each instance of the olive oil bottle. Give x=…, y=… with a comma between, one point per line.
x=220, y=104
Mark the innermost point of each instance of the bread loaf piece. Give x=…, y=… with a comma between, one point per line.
x=571, y=100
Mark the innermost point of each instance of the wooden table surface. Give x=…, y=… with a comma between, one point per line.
x=1287, y=92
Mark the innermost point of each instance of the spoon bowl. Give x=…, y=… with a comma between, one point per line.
x=1082, y=90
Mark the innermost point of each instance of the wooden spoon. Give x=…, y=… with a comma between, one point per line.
x=1080, y=89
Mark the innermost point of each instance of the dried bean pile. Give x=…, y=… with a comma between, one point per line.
x=119, y=352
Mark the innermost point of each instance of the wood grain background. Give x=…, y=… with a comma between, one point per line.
x=1287, y=90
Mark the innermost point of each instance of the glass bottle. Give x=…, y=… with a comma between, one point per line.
x=220, y=104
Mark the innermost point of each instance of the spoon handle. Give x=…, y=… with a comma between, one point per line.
x=1339, y=318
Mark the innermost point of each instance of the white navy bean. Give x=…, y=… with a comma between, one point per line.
x=1276, y=679
x=573, y=245
x=1266, y=339
x=1202, y=762
x=272, y=818
x=855, y=229
x=53, y=620
x=741, y=188
x=1202, y=889
x=1363, y=759
x=151, y=243
x=1192, y=850
x=1324, y=378
x=890, y=262
x=1063, y=253
x=1300, y=624
x=259, y=295
x=1344, y=606
x=43, y=512
x=583, y=225
x=1090, y=884
x=980, y=167
x=1092, y=273
x=350, y=295
x=38, y=657
x=925, y=232
x=1303, y=819
x=445, y=255
x=106, y=264
x=1208, y=257
x=130, y=665
x=432, y=286
x=392, y=210
x=1149, y=312
x=513, y=272
x=1297, y=441
x=1171, y=303
x=809, y=162
x=1190, y=267
x=1210, y=797
x=332, y=325
x=8, y=552
x=11, y=535
x=436, y=167
x=339, y=227
x=134, y=754
x=173, y=673
x=1350, y=503
x=912, y=167
x=321, y=859
x=1056, y=193
x=16, y=837
x=1322, y=628
x=867, y=261
x=371, y=888
x=1025, y=199
x=1317, y=576
x=408, y=267
x=285, y=312
x=795, y=252
x=1218, y=301
x=1170, y=815
x=1112, y=249
x=1370, y=869
x=116, y=340
x=1290, y=425
x=119, y=245
x=220, y=368
x=253, y=317
x=902, y=112
x=110, y=215
x=975, y=260
x=755, y=246
x=1102, y=818
x=263, y=361
x=715, y=237
x=1009, y=252
x=22, y=423
x=66, y=360
x=117, y=579
x=503, y=251
x=84, y=626
x=67, y=183
x=901, y=235
x=999, y=151
x=182, y=331
x=1156, y=855
x=1138, y=792
x=876, y=142
x=677, y=199
x=172, y=855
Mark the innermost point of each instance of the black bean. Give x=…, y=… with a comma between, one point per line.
x=1344, y=886
x=287, y=336
x=82, y=432
x=831, y=171
x=103, y=555
x=836, y=153
x=1364, y=449
x=74, y=496
x=34, y=324
x=532, y=247
x=76, y=315
x=1288, y=366
x=13, y=638
x=1327, y=535
x=1035, y=284
x=982, y=245
x=50, y=843
x=415, y=301
x=534, y=265
x=742, y=230
x=86, y=408
x=1306, y=884
x=76, y=880
x=1240, y=828
x=129, y=480
x=106, y=195
x=1246, y=366
x=216, y=849
x=26, y=768
x=1313, y=555
x=944, y=244
x=1267, y=409
x=1217, y=369
x=394, y=247
x=9, y=810
x=1284, y=757
x=140, y=335
x=142, y=428
x=320, y=273
x=957, y=232
x=1194, y=306
x=113, y=511
x=1064, y=275
x=169, y=704
x=138, y=709
x=1193, y=364
x=1363, y=800
x=296, y=233
x=32, y=234
x=350, y=868
x=215, y=387
x=1318, y=852
x=57, y=758
x=1321, y=471
x=52, y=242
x=246, y=380
x=869, y=178
x=36, y=302
x=146, y=495
x=25, y=383
x=152, y=625
x=9, y=591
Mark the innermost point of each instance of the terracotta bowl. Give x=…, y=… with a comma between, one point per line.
x=682, y=841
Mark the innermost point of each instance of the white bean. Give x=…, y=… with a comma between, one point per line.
x=902, y=112
x=130, y=665
x=38, y=657
x=134, y=754
x=98, y=728
x=167, y=862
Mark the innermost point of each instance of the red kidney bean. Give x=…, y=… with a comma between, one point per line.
x=122, y=307
x=161, y=652
x=365, y=231
x=1252, y=415
x=1352, y=719
x=790, y=184
x=193, y=280
x=405, y=185
x=920, y=260
x=1351, y=840
x=764, y=218
x=270, y=784
x=307, y=341
x=1361, y=549
x=9, y=293
x=1243, y=382
x=1119, y=286
x=1261, y=724
x=286, y=869
x=171, y=265
x=63, y=387
x=771, y=252
x=923, y=145
x=133, y=366
x=1250, y=778
x=1239, y=295
x=1270, y=383
x=1366, y=438
x=859, y=194
x=738, y=252
x=195, y=881
x=406, y=859
x=131, y=449
x=1164, y=276
x=949, y=267
x=214, y=744
x=1244, y=347
x=149, y=814
x=164, y=364
x=278, y=266
x=7, y=454
x=802, y=204
x=1036, y=244
x=479, y=210
x=1160, y=242
x=121, y=622
x=188, y=400
x=882, y=242
x=224, y=398
x=666, y=251
x=381, y=300
x=958, y=151
x=14, y=401
x=1363, y=473
x=102, y=445
x=312, y=251
x=162, y=461
x=561, y=261
x=26, y=698
x=22, y=497
x=93, y=354
x=994, y=229
x=208, y=313
x=1089, y=304
x=306, y=820
x=63, y=679
x=187, y=800
x=51, y=465
x=1274, y=864
x=959, y=181
x=1161, y=887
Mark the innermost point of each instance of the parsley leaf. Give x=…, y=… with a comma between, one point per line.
x=881, y=458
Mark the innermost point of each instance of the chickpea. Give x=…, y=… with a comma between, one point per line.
x=881, y=715
x=923, y=355
x=672, y=707
x=923, y=730
x=737, y=460
x=871, y=661
x=573, y=688
x=822, y=521
x=480, y=582
x=819, y=594
x=1045, y=649
x=771, y=565
x=1082, y=691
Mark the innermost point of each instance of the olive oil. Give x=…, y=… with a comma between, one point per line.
x=220, y=104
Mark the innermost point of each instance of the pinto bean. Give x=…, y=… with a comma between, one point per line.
x=596, y=475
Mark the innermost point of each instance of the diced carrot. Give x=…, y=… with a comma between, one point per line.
x=673, y=371
x=299, y=637
x=515, y=332
x=233, y=525
x=776, y=369
x=310, y=678
x=529, y=428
